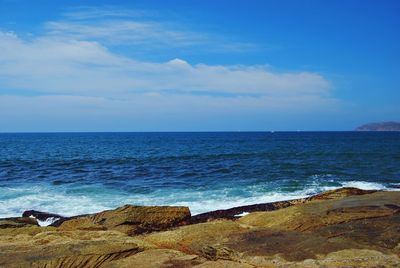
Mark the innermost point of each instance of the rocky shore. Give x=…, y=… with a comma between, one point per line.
x=347, y=227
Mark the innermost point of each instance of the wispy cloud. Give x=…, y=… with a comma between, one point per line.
x=102, y=12
x=125, y=32
x=137, y=29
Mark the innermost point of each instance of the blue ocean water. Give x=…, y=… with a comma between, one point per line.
x=75, y=173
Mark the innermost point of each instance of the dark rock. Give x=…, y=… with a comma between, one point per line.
x=42, y=216
x=18, y=222
x=232, y=213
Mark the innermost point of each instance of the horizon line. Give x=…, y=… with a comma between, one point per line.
x=184, y=131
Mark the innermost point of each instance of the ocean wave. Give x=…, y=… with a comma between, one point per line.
x=91, y=199
x=44, y=198
x=365, y=185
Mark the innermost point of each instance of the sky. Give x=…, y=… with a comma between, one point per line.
x=199, y=65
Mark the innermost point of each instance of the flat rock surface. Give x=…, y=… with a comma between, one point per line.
x=341, y=228
x=131, y=219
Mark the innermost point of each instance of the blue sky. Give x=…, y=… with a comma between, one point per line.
x=198, y=65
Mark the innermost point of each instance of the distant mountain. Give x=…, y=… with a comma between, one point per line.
x=381, y=126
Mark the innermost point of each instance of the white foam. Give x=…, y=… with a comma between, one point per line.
x=48, y=221
x=364, y=185
x=59, y=201
x=242, y=214
x=207, y=204
x=44, y=198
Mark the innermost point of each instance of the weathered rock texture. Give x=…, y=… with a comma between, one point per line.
x=341, y=228
x=131, y=219
x=54, y=248
x=233, y=212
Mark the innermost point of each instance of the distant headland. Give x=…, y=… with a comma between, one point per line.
x=380, y=126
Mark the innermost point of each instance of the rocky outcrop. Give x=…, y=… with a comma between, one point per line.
x=54, y=248
x=131, y=220
x=233, y=213
x=43, y=216
x=18, y=222
x=341, y=228
x=312, y=230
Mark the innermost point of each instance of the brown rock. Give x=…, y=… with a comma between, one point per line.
x=313, y=231
x=223, y=264
x=131, y=219
x=81, y=223
x=66, y=249
x=18, y=222
x=340, y=193
x=202, y=239
x=315, y=214
x=341, y=228
x=232, y=212
x=349, y=258
x=157, y=258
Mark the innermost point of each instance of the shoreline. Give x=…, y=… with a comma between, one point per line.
x=45, y=219
x=346, y=227
x=71, y=206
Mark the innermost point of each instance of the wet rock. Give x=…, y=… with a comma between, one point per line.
x=233, y=213
x=45, y=218
x=131, y=219
x=18, y=222
x=42, y=216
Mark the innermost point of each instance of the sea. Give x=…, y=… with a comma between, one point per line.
x=79, y=173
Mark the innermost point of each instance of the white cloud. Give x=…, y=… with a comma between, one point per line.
x=70, y=71
x=49, y=65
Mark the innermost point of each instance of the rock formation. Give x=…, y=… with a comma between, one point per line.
x=342, y=228
x=130, y=219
